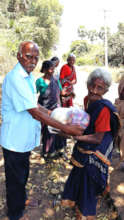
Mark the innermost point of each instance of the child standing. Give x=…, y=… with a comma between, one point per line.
x=119, y=103
x=49, y=89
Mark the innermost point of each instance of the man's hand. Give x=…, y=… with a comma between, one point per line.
x=44, y=118
x=63, y=134
x=73, y=130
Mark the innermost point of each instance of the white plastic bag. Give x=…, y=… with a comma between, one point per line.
x=72, y=115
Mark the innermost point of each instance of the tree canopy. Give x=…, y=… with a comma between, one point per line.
x=89, y=49
x=32, y=20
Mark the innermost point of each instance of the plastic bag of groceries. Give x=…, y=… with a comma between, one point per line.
x=72, y=115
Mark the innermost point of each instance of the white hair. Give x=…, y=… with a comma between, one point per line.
x=23, y=44
x=71, y=55
x=100, y=73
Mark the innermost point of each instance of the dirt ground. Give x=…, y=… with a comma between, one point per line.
x=45, y=184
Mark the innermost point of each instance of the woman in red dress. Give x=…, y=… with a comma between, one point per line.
x=68, y=79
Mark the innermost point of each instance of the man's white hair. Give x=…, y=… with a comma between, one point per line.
x=100, y=73
x=23, y=44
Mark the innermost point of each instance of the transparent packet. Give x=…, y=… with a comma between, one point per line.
x=72, y=115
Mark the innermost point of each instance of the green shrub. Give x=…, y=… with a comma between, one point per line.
x=11, y=23
x=85, y=60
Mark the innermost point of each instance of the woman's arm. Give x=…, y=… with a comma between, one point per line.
x=91, y=138
x=73, y=81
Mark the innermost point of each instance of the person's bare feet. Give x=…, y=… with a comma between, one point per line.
x=25, y=217
x=68, y=203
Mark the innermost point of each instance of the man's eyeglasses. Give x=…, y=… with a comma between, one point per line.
x=30, y=57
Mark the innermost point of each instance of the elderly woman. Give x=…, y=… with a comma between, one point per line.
x=92, y=151
x=68, y=79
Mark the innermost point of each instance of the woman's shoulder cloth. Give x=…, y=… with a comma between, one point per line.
x=115, y=121
x=95, y=108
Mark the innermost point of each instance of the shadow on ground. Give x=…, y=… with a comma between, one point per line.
x=46, y=183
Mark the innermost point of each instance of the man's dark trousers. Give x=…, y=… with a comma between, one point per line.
x=16, y=171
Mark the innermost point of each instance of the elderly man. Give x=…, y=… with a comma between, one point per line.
x=21, y=127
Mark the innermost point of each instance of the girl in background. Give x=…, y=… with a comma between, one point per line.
x=49, y=88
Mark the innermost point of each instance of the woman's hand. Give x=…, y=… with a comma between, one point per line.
x=63, y=92
x=73, y=95
x=73, y=82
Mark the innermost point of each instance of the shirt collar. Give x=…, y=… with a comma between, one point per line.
x=22, y=71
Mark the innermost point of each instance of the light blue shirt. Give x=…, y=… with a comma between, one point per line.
x=20, y=132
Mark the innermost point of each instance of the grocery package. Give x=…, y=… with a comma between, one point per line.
x=72, y=115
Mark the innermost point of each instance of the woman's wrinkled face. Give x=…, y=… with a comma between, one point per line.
x=96, y=90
